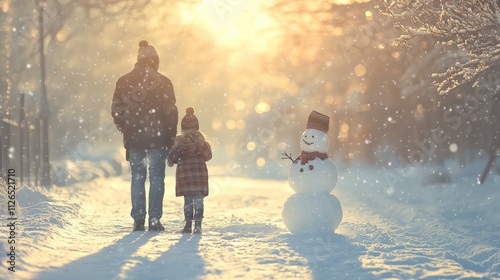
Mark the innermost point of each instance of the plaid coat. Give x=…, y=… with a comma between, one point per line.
x=190, y=152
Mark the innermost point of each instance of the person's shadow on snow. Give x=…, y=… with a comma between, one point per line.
x=181, y=261
x=115, y=256
x=330, y=256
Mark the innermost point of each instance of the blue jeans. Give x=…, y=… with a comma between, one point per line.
x=193, y=207
x=139, y=159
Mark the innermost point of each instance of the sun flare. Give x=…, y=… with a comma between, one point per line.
x=233, y=24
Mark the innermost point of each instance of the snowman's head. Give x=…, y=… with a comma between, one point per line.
x=313, y=140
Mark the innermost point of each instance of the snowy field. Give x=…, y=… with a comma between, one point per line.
x=394, y=227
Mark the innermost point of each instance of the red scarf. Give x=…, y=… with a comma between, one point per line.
x=307, y=156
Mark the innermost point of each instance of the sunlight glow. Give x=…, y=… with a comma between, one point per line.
x=261, y=162
x=369, y=15
x=344, y=128
x=239, y=105
x=234, y=24
x=344, y=2
x=5, y=6
x=216, y=125
x=230, y=124
x=251, y=146
x=453, y=148
x=420, y=108
x=360, y=70
x=262, y=107
x=344, y=132
x=61, y=36
x=348, y=2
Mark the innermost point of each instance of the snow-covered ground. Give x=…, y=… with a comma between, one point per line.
x=394, y=227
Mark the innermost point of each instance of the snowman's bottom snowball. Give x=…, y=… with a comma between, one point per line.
x=306, y=213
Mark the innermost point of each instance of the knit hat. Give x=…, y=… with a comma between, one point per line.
x=146, y=50
x=189, y=121
x=318, y=121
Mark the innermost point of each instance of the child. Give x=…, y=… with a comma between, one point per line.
x=190, y=152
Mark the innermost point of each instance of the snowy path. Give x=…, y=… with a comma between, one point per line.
x=404, y=232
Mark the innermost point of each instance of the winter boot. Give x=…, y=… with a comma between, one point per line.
x=197, y=226
x=139, y=225
x=187, y=227
x=155, y=225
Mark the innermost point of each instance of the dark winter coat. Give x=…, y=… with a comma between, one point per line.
x=144, y=109
x=190, y=152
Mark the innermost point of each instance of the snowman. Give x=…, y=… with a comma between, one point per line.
x=313, y=209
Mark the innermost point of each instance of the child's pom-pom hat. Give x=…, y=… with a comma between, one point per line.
x=189, y=121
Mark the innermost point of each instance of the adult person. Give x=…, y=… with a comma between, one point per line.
x=144, y=110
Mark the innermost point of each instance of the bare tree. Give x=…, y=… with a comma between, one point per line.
x=472, y=26
x=18, y=23
x=58, y=12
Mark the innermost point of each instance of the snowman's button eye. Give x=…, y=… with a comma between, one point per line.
x=311, y=167
x=313, y=136
x=302, y=170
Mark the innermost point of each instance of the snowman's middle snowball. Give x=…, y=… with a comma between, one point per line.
x=317, y=175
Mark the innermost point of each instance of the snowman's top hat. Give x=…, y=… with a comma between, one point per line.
x=318, y=121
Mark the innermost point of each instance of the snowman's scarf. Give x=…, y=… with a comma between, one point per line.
x=307, y=156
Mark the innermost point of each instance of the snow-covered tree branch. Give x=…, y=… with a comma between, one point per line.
x=472, y=26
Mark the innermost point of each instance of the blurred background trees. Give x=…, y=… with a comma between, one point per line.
x=254, y=71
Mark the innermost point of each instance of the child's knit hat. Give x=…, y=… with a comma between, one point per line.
x=189, y=121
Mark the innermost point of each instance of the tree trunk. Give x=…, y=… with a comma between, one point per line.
x=494, y=145
x=5, y=53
